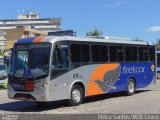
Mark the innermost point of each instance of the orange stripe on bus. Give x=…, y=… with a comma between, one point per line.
x=38, y=39
x=98, y=74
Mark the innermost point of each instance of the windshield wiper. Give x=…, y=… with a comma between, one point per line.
x=28, y=70
x=17, y=69
x=25, y=67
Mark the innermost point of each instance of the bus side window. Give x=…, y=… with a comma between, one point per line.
x=60, y=58
x=120, y=53
x=96, y=56
x=113, y=53
x=64, y=54
x=152, y=54
x=131, y=53
x=143, y=53
x=59, y=63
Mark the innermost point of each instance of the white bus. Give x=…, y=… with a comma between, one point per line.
x=54, y=68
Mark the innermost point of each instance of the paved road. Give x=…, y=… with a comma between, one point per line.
x=144, y=101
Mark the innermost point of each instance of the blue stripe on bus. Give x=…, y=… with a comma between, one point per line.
x=25, y=40
x=142, y=72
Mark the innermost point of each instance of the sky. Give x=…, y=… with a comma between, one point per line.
x=137, y=19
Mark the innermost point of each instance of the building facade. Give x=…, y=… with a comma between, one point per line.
x=33, y=21
x=26, y=25
x=2, y=41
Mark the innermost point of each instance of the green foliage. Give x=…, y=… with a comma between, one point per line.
x=158, y=44
x=94, y=32
x=1, y=53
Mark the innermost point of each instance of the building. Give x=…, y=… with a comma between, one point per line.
x=12, y=35
x=26, y=25
x=33, y=21
x=2, y=41
x=62, y=33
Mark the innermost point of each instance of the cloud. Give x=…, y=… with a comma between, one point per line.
x=115, y=5
x=153, y=29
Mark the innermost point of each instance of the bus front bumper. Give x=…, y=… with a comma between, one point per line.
x=27, y=96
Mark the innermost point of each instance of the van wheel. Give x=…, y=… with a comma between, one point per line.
x=76, y=96
x=131, y=87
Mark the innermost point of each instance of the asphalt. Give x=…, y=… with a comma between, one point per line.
x=144, y=101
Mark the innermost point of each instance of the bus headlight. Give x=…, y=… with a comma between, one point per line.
x=40, y=88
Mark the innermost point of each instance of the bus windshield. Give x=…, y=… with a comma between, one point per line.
x=31, y=61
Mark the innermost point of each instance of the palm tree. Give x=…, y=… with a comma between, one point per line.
x=94, y=32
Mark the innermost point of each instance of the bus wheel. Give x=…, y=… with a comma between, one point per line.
x=131, y=87
x=76, y=96
x=158, y=75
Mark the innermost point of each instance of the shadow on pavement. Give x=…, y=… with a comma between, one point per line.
x=109, y=96
x=26, y=106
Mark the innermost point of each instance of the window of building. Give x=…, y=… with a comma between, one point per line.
x=34, y=16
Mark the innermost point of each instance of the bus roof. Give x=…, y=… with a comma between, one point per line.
x=108, y=39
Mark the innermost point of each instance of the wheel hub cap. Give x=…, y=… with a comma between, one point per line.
x=131, y=87
x=76, y=95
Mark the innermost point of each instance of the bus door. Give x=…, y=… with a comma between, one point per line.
x=59, y=68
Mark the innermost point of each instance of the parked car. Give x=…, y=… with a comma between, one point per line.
x=3, y=76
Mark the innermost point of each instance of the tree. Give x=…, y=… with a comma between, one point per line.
x=94, y=32
x=1, y=52
x=158, y=44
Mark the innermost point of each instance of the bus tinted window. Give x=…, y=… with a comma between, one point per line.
x=75, y=53
x=158, y=60
x=152, y=53
x=80, y=53
x=85, y=54
x=104, y=53
x=113, y=53
x=120, y=53
x=131, y=53
x=99, y=53
x=143, y=53
x=96, y=53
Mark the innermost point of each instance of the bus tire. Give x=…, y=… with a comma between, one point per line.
x=76, y=96
x=131, y=87
x=158, y=75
